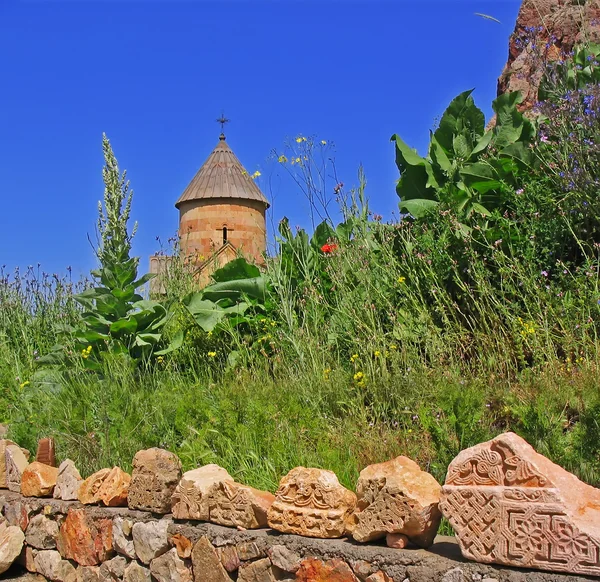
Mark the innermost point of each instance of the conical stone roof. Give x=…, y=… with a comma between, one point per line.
x=222, y=176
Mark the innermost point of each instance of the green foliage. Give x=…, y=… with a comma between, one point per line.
x=468, y=169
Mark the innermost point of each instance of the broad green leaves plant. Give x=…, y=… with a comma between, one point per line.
x=467, y=168
x=116, y=317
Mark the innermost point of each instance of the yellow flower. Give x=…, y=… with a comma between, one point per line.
x=211, y=354
x=323, y=142
x=282, y=159
x=377, y=353
x=354, y=357
x=326, y=373
x=359, y=376
x=298, y=139
x=85, y=352
x=401, y=280
x=255, y=175
x=393, y=347
x=360, y=384
x=160, y=359
x=23, y=384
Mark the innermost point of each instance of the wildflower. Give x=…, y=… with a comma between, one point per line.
x=326, y=373
x=255, y=175
x=401, y=280
x=211, y=354
x=323, y=142
x=329, y=248
x=545, y=273
x=360, y=384
x=377, y=353
x=85, y=352
x=282, y=159
x=300, y=139
x=337, y=188
x=23, y=384
x=393, y=347
x=358, y=376
x=160, y=360
x=353, y=358
x=519, y=191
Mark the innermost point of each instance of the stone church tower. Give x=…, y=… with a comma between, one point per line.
x=221, y=216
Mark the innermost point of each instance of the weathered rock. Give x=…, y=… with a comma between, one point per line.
x=17, y=513
x=397, y=541
x=42, y=533
x=112, y=570
x=15, y=462
x=396, y=497
x=122, y=540
x=191, y=497
x=454, y=575
x=511, y=505
x=50, y=564
x=379, y=576
x=38, y=480
x=336, y=570
x=150, y=539
x=249, y=551
x=312, y=503
x=3, y=444
x=206, y=564
x=156, y=473
x=11, y=544
x=182, y=544
x=135, y=572
x=88, y=574
x=237, y=505
x=284, y=558
x=88, y=489
x=259, y=571
x=229, y=558
x=27, y=558
x=558, y=25
x=84, y=539
x=46, y=452
x=67, y=482
x=114, y=488
x=170, y=568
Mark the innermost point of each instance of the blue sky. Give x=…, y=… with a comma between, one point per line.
x=154, y=75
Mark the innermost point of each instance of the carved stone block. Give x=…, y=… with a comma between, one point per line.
x=237, y=505
x=191, y=497
x=45, y=452
x=510, y=505
x=312, y=503
x=155, y=475
x=396, y=499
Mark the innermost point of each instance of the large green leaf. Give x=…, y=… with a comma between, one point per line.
x=417, y=179
x=323, y=233
x=237, y=269
x=174, y=344
x=206, y=313
x=235, y=290
x=418, y=208
x=509, y=121
x=462, y=116
x=125, y=325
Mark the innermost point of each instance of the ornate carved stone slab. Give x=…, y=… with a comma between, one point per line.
x=191, y=497
x=396, y=497
x=312, y=503
x=237, y=505
x=510, y=505
x=155, y=475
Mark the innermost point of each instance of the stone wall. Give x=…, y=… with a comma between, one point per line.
x=66, y=541
x=508, y=505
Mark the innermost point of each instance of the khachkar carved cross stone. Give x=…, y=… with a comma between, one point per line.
x=510, y=505
x=312, y=503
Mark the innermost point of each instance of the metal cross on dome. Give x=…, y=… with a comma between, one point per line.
x=222, y=120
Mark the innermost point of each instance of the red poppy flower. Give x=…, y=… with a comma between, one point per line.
x=328, y=248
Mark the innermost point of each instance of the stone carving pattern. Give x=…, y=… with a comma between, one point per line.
x=517, y=527
x=230, y=505
x=311, y=507
x=188, y=502
x=495, y=466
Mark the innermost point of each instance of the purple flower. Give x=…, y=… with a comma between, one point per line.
x=545, y=273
